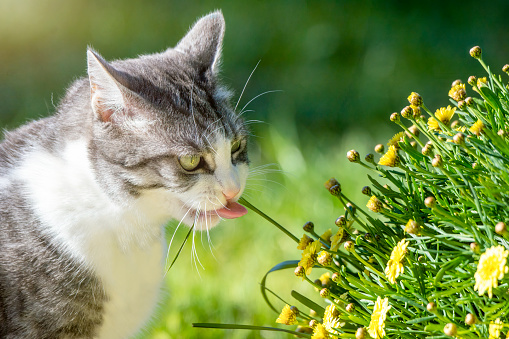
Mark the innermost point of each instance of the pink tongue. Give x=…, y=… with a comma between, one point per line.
x=232, y=210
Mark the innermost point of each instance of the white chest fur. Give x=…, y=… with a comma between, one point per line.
x=123, y=244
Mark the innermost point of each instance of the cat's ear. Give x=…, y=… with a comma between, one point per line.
x=204, y=40
x=107, y=94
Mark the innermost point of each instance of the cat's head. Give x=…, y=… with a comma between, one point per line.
x=164, y=124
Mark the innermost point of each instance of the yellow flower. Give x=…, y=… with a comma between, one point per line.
x=458, y=92
x=391, y=158
x=374, y=204
x=477, y=128
x=331, y=319
x=320, y=332
x=304, y=242
x=412, y=227
x=325, y=279
x=376, y=327
x=287, y=316
x=444, y=115
x=482, y=81
x=326, y=235
x=336, y=239
x=394, y=265
x=495, y=327
x=491, y=268
x=309, y=256
x=395, y=139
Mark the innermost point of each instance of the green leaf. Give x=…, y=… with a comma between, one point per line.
x=281, y=266
x=309, y=303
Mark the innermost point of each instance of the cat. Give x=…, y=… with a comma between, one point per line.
x=86, y=192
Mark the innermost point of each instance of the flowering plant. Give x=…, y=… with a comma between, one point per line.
x=429, y=258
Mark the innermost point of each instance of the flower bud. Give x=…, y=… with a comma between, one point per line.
x=475, y=165
x=469, y=101
x=501, y=133
x=353, y=156
x=412, y=227
x=407, y=112
x=331, y=182
x=451, y=330
x=340, y=221
x=300, y=271
x=368, y=237
x=415, y=99
x=416, y=112
x=324, y=292
x=456, y=82
x=349, y=246
x=431, y=307
x=430, y=202
x=501, y=229
x=472, y=80
x=350, y=208
x=394, y=117
x=374, y=204
x=470, y=319
x=336, y=277
x=427, y=149
x=476, y=52
x=413, y=130
x=369, y=158
x=335, y=190
x=437, y=161
x=312, y=323
x=505, y=68
x=366, y=190
x=350, y=307
x=461, y=105
x=304, y=329
x=459, y=139
x=308, y=227
x=474, y=247
x=455, y=123
x=325, y=258
x=380, y=148
x=361, y=333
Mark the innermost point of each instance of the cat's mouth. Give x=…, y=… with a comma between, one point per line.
x=231, y=210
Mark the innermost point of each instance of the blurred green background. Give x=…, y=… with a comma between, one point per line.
x=342, y=68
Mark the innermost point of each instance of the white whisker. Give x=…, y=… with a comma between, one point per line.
x=245, y=85
x=259, y=95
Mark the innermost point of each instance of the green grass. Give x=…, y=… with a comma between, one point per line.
x=227, y=289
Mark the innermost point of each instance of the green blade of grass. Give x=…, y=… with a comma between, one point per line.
x=249, y=327
x=269, y=219
x=181, y=247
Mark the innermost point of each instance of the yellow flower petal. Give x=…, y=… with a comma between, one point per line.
x=490, y=269
x=376, y=327
x=394, y=265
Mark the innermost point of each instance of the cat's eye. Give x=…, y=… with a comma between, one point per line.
x=190, y=162
x=236, y=146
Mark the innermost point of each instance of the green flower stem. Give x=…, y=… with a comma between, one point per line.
x=391, y=215
x=342, y=196
x=487, y=69
x=269, y=219
x=365, y=263
x=408, y=131
x=438, y=188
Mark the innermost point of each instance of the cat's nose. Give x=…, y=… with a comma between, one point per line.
x=231, y=193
